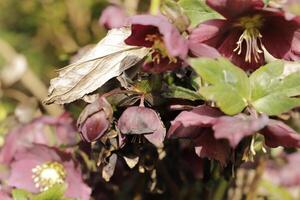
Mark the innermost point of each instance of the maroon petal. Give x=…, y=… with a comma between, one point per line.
x=208, y=146
x=281, y=37
x=236, y=128
x=227, y=47
x=279, y=134
x=94, y=127
x=188, y=123
x=220, y=35
x=113, y=17
x=95, y=119
x=143, y=25
x=139, y=34
x=164, y=65
x=233, y=8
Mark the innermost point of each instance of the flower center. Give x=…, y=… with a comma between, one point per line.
x=48, y=174
x=160, y=47
x=251, y=36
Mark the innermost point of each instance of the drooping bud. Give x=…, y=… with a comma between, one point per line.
x=95, y=119
x=139, y=120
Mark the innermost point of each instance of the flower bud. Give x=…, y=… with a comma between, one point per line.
x=95, y=119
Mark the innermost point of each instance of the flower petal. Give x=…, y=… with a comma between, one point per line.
x=188, y=123
x=112, y=17
x=233, y=8
x=236, y=128
x=208, y=146
x=76, y=188
x=143, y=25
x=164, y=65
x=279, y=134
x=281, y=37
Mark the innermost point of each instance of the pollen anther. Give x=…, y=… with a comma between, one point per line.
x=48, y=174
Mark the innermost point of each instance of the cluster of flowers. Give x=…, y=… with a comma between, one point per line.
x=138, y=132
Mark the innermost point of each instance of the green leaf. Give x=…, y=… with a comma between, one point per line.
x=198, y=11
x=229, y=86
x=182, y=93
x=19, y=194
x=54, y=193
x=274, y=93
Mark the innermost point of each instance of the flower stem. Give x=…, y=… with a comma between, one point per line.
x=154, y=7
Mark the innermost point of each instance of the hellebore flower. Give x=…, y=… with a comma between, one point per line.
x=113, y=17
x=138, y=120
x=26, y=136
x=168, y=47
x=208, y=128
x=41, y=167
x=95, y=119
x=196, y=124
x=247, y=29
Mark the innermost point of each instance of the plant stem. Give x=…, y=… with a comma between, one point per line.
x=154, y=7
x=221, y=189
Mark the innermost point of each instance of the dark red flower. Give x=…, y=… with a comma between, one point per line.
x=249, y=27
x=277, y=133
x=95, y=119
x=41, y=167
x=138, y=120
x=208, y=128
x=168, y=47
x=113, y=17
x=197, y=125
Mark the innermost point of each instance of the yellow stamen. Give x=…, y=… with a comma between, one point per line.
x=48, y=174
x=159, y=46
x=251, y=36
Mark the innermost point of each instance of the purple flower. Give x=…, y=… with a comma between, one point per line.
x=248, y=28
x=208, y=128
x=113, y=17
x=26, y=136
x=41, y=167
x=168, y=47
x=277, y=133
x=95, y=119
x=197, y=125
x=138, y=120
